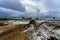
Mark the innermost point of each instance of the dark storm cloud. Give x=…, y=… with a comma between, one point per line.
x=15, y=8
x=12, y=4
x=4, y=12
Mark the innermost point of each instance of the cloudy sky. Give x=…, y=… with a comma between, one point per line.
x=32, y=8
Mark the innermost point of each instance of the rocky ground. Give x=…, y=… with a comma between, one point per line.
x=15, y=30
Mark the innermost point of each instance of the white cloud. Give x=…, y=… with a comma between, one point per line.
x=32, y=6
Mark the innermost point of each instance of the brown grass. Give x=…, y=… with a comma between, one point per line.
x=14, y=33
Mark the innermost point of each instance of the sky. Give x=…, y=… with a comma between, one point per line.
x=31, y=8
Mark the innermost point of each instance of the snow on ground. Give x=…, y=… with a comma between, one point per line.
x=18, y=22
x=23, y=22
